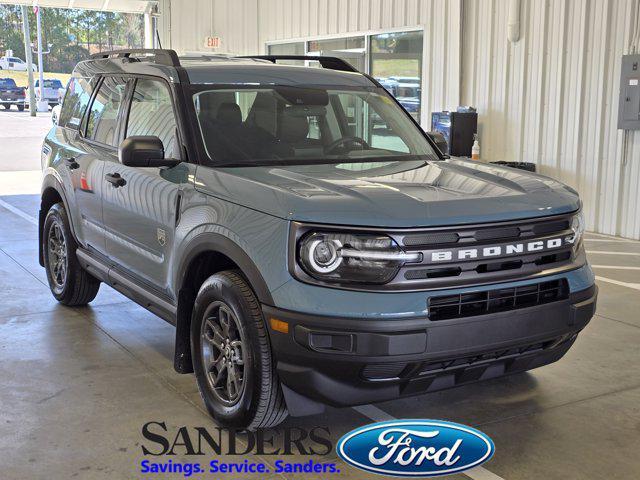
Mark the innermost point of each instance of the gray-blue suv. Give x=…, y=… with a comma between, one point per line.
x=311, y=244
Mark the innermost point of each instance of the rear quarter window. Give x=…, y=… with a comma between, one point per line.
x=75, y=103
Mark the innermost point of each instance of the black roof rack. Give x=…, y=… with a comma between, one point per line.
x=161, y=56
x=332, y=63
x=170, y=58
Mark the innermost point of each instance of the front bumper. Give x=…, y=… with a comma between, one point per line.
x=345, y=362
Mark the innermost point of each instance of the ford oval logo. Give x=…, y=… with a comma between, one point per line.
x=415, y=448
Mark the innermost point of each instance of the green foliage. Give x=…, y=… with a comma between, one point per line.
x=73, y=33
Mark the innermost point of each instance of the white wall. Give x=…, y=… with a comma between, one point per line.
x=550, y=98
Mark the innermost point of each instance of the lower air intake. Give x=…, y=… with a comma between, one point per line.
x=498, y=300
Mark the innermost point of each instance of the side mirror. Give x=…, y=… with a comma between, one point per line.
x=440, y=142
x=144, y=151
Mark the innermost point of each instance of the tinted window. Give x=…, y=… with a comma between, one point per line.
x=7, y=82
x=152, y=114
x=102, y=124
x=75, y=103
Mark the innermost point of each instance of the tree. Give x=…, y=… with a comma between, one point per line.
x=72, y=33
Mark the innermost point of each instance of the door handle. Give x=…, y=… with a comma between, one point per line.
x=71, y=163
x=115, y=179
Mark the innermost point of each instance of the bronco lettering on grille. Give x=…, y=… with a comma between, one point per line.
x=500, y=250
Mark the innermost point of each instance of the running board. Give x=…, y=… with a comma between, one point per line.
x=129, y=288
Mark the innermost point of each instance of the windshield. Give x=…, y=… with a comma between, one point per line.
x=293, y=125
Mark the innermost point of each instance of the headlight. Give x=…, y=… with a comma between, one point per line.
x=352, y=258
x=577, y=227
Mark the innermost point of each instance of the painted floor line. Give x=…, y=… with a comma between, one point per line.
x=374, y=413
x=18, y=212
x=635, y=286
x=617, y=267
x=598, y=252
x=378, y=415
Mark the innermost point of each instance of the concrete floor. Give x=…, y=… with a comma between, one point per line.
x=78, y=384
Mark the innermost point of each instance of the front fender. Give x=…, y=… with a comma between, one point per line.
x=212, y=241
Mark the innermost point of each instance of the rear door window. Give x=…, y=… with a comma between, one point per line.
x=102, y=123
x=75, y=103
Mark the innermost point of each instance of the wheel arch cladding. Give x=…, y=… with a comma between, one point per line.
x=51, y=194
x=206, y=255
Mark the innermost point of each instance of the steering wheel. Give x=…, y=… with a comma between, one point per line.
x=341, y=142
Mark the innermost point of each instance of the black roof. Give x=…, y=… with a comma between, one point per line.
x=224, y=69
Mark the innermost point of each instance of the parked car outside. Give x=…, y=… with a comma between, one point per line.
x=15, y=63
x=11, y=94
x=51, y=91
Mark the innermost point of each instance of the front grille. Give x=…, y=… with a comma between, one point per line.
x=498, y=300
x=471, y=235
x=486, y=254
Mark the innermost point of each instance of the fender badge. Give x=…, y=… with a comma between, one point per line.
x=162, y=237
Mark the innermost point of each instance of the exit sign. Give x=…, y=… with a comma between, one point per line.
x=212, y=42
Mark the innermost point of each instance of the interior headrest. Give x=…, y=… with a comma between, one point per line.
x=293, y=128
x=208, y=104
x=229, y=114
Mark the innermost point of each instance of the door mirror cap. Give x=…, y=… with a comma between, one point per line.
x=144, y=151
x=440, y=141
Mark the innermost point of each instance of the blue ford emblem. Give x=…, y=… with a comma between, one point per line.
x=415, y=448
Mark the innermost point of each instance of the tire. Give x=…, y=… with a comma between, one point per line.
x=21, y=108
x=6, y=106
x=259, y=402
x=70, y=284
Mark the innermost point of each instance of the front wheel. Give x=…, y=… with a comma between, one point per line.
x=232, y=357
x=70, y=284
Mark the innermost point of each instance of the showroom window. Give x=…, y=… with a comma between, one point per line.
x=102, y=124
x=396, y=62
x=393, y=58
x=350, y=49
x=294, y=48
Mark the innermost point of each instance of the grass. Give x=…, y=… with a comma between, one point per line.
x=396, y=67
x=22, y=78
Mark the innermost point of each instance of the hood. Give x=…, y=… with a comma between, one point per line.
x=396, y=194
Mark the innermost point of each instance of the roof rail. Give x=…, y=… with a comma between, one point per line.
x=332, y=63
x=161, y=56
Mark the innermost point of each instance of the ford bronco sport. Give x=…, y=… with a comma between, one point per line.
x=306, y=254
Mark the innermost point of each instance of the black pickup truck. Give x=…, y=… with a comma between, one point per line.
x=11, y=94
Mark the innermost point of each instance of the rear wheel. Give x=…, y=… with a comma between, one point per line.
x=70, y=284
x=232, y=356
x=6, y=106
x=21, y=108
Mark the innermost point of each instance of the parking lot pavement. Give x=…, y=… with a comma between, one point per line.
x=87, y=379
x=21, y=138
